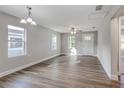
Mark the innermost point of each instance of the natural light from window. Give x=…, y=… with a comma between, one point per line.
x=16, y=41
x=72, y=41
x=87, y=37
x=54, y=42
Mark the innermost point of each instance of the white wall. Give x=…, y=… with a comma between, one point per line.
x=104, y=42
x=64, y=43
x=38, y=44
x=104, y=51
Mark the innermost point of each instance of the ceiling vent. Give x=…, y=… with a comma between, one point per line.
x=99, y=7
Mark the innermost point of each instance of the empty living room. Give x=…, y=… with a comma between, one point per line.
x=61, y=46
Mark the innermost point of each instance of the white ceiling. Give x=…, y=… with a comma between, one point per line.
x=61, y=17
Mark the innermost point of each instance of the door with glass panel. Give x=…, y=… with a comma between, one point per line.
x=88, y=44
x=85, y=43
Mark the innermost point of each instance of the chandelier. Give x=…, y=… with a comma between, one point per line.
x=73, y=31
x=28, y=19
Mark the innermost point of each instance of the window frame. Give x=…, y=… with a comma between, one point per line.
x=87, y=37
x=71, y=41
x=54, y=43
x=24, y=40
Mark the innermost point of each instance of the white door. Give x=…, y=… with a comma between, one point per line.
x=86, y=46
x=121, y=45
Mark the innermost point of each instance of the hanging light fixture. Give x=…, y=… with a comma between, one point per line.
x=28, y=19
x=73, y=31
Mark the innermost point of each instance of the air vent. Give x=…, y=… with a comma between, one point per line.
x=98, y=7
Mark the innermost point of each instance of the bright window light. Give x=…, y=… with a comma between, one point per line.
x=16, y=41
x=15, y=28
x=87, y=37
x=54, y=42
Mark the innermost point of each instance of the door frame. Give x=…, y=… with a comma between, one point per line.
x=119, y=43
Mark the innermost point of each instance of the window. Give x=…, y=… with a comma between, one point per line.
x=71, y=41
x=16, y=41
x=54, y=42
x=72, y=45
x=122, y=42
x=87, y=37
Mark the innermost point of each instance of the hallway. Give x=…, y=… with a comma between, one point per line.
x=61, y=72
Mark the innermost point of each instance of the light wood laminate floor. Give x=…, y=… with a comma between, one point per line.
x=61, y=72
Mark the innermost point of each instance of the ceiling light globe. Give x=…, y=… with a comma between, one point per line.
x=29, y=20
x=33, y=23
x=72, y=32
x=23, y=21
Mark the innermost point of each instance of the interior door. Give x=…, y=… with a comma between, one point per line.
x=121, y=45
x=88, y=44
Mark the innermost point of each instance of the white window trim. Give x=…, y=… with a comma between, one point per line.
x=54, y=48
x=25, y=39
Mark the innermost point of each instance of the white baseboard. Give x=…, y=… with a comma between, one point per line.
x=114, y=77
x=25, y=66
x=77, y=55
x=64, y=54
